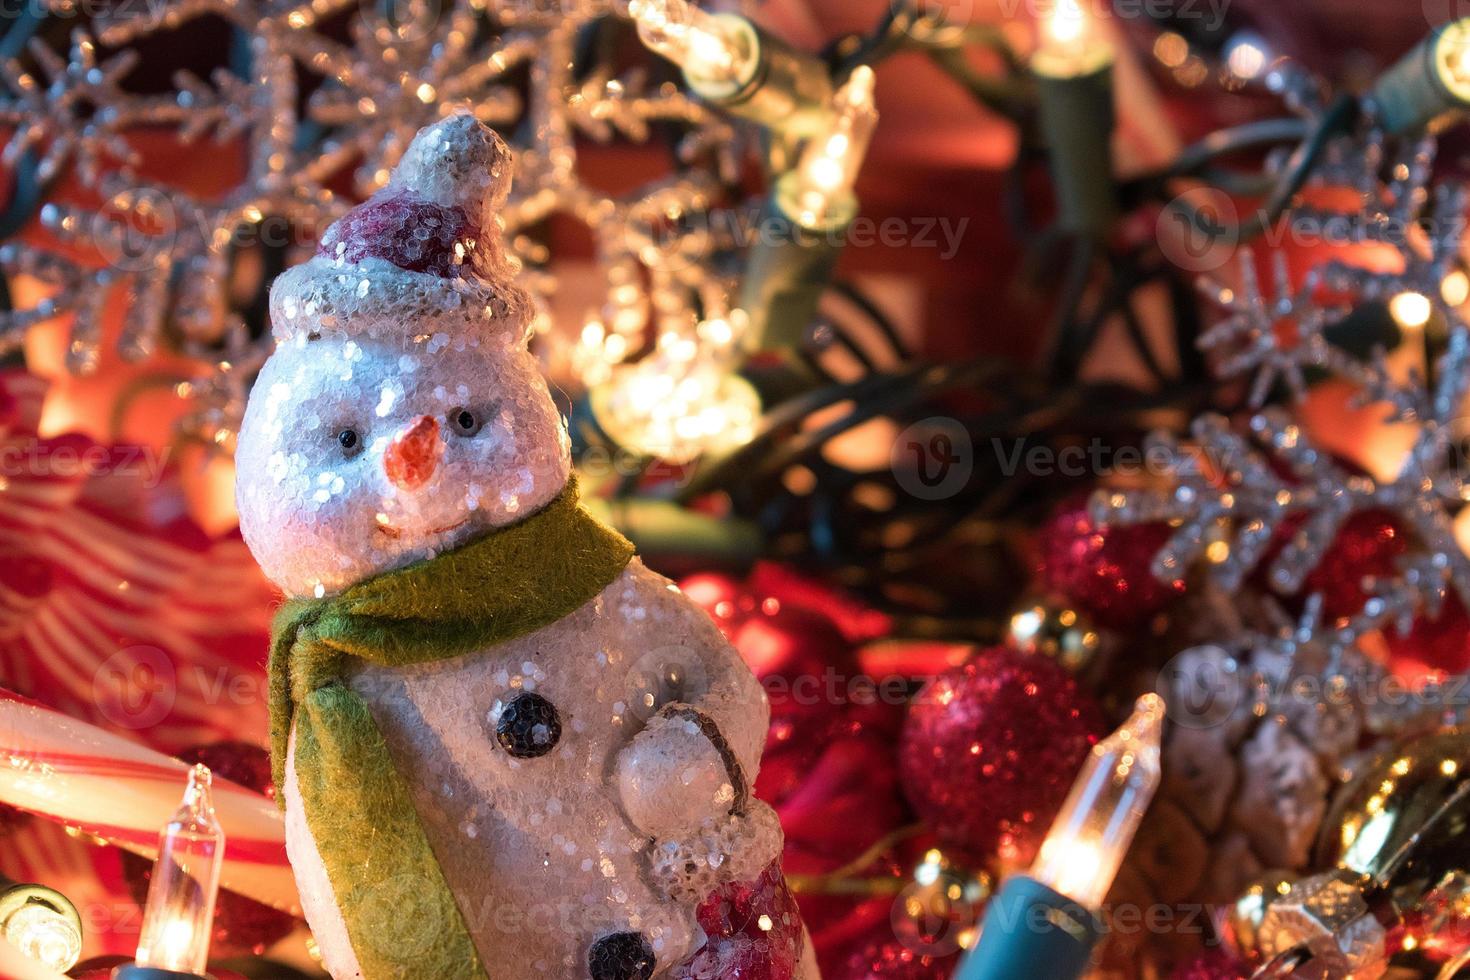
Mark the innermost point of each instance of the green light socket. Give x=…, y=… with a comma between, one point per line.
x=1077, y=121
x=1430, y=85
x=788, y=92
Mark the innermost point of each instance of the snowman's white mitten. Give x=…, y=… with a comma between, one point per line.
x=677, y=774
x=738, y=849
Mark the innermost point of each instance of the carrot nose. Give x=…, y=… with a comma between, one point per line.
x=414, y=453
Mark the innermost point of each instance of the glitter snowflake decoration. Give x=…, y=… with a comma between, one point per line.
x=523, y=66
x=1262, y=496
x=1271, y=338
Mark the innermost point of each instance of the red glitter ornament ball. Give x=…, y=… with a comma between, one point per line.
x=891, y=960
x=990, y=749
x=1440, y=645
x=1107, y=572
x=1217, y=964
x=1368, y=546
x=242, y=926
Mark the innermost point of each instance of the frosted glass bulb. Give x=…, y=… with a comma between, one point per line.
x=818, y=193
x=1092, y=834
x=179, y=913
x=1071, y=43
x=709, y=48
x=45, y=935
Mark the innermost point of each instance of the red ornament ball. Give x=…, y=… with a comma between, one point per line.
x=1108, y=572
x=242, y=926
x=990, y=749
x=1439, y=645
x=243, y=763
x=1367, y=546
x=891, y=960
x=1217, y=964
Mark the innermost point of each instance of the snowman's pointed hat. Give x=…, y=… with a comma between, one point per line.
x=422, y=256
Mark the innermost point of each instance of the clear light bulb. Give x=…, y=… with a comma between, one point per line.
x=712, y=49
x=1091, y=835
x=44, y=926
x=818, y=193
x=1071, y=43
x=179, y=914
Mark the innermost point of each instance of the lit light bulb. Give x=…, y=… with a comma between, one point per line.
x=179, y=913
x=713, y=49
x=1411, y=310
x=1071, y=43
x=1452, y=58
x=1067, y=23
x=1092, y=834
x=683, y=400
x=1247, y=55
x=43, y=924
x=818, y=193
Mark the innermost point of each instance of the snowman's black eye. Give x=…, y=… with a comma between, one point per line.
x=350, y=442
x=463, y=422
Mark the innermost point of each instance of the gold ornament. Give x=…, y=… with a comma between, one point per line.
x=1053, y=629
x=1245, y=916
x=1404, y=822
x=936, y=914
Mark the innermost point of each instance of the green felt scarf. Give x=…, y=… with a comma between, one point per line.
x=400, y=915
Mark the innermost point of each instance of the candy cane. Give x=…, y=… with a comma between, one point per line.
x=103, y=784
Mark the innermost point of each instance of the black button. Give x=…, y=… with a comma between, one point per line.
x=621, y=956
x=528, y=727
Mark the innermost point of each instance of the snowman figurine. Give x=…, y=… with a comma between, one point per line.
x=505, y=749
